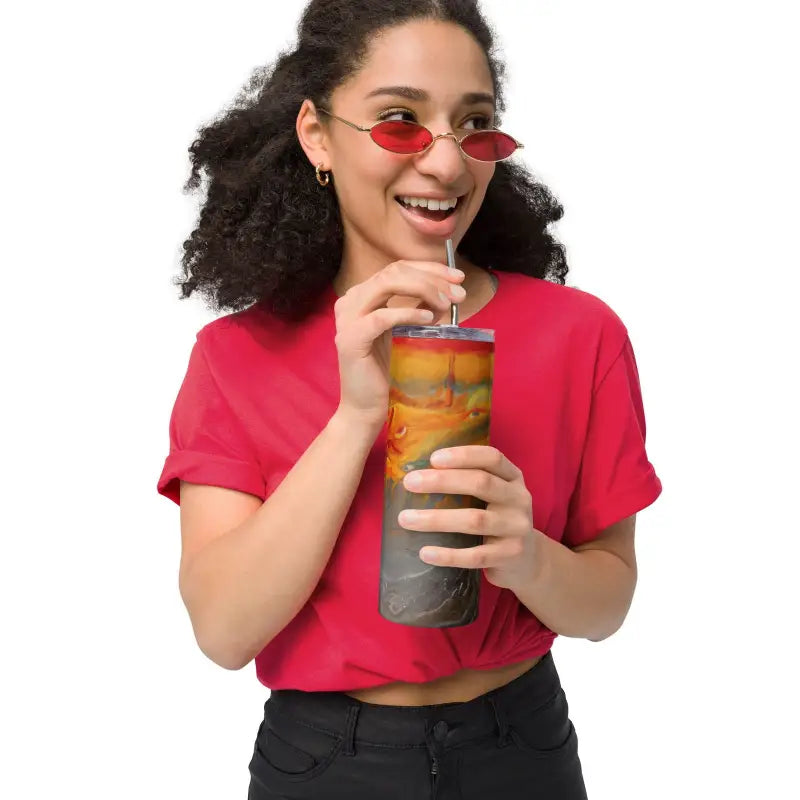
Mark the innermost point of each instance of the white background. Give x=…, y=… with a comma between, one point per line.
x=669, y=133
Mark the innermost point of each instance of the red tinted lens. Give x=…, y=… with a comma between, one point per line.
x=401, y=137
x=489, y=145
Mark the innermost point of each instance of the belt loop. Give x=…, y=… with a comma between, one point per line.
x=350, y=730
x=502, y=723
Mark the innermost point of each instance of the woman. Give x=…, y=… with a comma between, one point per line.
x=313, y=236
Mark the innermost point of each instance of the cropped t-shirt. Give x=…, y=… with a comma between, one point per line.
x=566, y=409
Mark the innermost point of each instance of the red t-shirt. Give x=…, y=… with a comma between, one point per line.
x=566, y=409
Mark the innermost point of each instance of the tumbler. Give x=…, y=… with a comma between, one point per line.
x=440, y=396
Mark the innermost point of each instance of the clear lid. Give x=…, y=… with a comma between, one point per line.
x=443, y=332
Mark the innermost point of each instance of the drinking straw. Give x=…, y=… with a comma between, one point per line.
x=451, y=262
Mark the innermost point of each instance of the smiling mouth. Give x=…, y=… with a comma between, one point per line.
x=426, y=213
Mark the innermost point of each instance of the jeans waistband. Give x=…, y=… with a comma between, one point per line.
x=338, y=713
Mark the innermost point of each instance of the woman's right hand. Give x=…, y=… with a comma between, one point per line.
x=364, y=329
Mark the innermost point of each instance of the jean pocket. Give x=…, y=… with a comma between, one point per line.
x=546, y=730
x=289, y=750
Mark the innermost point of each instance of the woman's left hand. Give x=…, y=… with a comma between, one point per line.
x=509, y=552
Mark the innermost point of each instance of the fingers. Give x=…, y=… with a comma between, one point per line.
x=362, y=314
x=472, y=521
x=360, y=336
x=434, y=284
x=484, y=556
x=477, y=456
x=476, y=482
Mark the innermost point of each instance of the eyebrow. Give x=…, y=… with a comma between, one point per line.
x=411, y=93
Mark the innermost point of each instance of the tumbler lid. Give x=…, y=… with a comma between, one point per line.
x=443, y=332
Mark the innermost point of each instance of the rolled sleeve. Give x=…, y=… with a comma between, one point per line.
x=207, y=443
x=615, y=478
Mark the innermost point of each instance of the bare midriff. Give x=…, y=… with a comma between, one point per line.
x=460, y=687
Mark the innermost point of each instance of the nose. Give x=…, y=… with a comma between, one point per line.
x=443, y=159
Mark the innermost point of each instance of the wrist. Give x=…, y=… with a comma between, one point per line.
x=535, y=578
x=357, y=426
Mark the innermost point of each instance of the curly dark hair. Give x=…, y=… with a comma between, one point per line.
x=267, y=234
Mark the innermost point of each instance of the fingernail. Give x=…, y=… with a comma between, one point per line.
x=458, y=291
x=456, y=271
x=407, y=517
x=412, y=480
x=443, y=297
x=440, y=456
x=428, y=555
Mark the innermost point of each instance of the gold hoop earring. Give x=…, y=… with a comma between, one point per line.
x=319, y=176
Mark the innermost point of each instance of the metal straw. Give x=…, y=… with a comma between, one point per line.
x=451, y=262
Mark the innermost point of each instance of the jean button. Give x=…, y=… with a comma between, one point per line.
x=440, y=730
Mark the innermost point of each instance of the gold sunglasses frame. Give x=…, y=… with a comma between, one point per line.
x=433, y=141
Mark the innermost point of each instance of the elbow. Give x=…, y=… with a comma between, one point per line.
x=218, y=648
x=231, y=652
x=215, y=645
x=215, y=634
x=601, y=636
x=226, y=661
x=223, y=654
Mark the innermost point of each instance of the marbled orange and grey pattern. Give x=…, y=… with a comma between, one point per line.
x=440, y=396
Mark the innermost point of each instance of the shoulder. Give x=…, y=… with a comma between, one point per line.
x=233, y=325
x=224, y=348
x=239, y=327
x=564, y=308
x=254, y=336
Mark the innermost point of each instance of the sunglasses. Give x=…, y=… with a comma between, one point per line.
x=402, y=136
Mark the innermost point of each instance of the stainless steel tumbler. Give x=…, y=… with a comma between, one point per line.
x=440, y=396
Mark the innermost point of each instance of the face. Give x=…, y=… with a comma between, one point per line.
x=445, y=63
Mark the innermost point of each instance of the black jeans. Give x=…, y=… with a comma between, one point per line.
x=511, y=743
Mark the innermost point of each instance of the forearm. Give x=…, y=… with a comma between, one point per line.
x=247, y=585
x=581, y=594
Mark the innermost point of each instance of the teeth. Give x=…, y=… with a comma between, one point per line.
x=432, y=205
